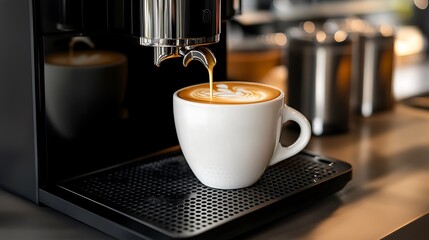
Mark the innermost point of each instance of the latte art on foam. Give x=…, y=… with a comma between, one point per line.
x=230, y=93
x=233, y=94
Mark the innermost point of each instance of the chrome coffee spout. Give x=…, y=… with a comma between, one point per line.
x=202, y=54
x=180, y=28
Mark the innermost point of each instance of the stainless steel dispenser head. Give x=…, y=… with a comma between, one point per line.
x=176, y=27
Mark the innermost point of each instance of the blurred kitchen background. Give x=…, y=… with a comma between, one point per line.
x=369, y=54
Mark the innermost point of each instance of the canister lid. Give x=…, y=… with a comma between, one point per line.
x=318, y=34
x=366, y=28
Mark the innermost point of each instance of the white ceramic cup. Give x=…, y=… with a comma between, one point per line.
x=229, y=146
x=84, y=92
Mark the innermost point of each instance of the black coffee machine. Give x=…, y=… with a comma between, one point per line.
x=127, y=177
x=47, y=26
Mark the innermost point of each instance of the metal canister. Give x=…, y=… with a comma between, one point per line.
x=373, y=65
x=319, y=63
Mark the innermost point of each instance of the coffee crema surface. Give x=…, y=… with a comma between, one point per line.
x=85, y=58
x=229, y=93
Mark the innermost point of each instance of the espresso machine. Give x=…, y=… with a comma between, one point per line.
x=120, y=170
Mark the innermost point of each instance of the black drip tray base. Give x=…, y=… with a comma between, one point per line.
x=159, y=197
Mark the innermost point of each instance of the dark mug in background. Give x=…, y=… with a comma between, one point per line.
x=84, y=90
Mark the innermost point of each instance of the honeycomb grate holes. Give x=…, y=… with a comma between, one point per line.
x=166, y=194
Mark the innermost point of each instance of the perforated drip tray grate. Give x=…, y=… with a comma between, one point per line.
x=163, y=194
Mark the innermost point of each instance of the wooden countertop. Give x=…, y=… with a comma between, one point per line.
x=389, y=153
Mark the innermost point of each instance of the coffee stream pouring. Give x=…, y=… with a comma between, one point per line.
x=181, y=28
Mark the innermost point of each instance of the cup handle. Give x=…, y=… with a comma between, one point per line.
x=281, y=153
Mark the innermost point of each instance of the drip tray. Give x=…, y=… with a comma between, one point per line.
x=160, y=198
